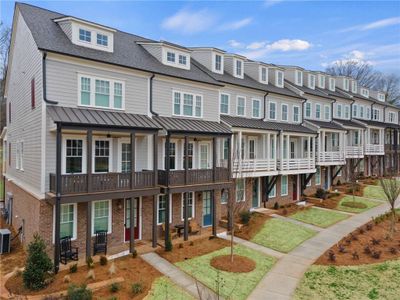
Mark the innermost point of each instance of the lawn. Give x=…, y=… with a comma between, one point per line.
x=281, y=235
x=374, y=192
x=319, y=217
x=374, y=281
x=231, y=285
x=163, y=288
x=368, y=202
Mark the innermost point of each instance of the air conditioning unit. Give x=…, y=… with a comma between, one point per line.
x=5, y=241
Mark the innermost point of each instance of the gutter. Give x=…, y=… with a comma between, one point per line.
x=151, y=95
x=44, y=81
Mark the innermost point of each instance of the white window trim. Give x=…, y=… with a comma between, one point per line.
x=311, y=86
x=175, y=64
x=276, y=79
x=194, y=155
x=93, y=43
x=209, y=162
x=182, y=101
x=332, y=86
x=75, y=230
x=269, y=110
x=354, y=87
x=237, y=105
x=287, y=186
x=305, y=110
x=226, y=202
x=347, y=108
x=320, y=113
x=229, y=103
x=287, y=113
x=170, y=209
x=318, y=175
x=266, y=74
x=321, y=81
x=93, y=91
x=109, y=229
x=175, y=141
x=298, y=107
x=110, y=156
x=19, y=155
x=193, y=205
x=255, y=139
x=214, y=62
x=244, y=191
x=337, y=110
x=64, y=152
x=329, y=112
x=252, y=108
x=355, y=110
x=274, y=190
x=299, y=77
x=119, y=154
x=241, y=75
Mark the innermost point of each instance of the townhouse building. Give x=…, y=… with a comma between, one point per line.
x=112, y=132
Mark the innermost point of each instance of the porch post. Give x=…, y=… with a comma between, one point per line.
x=281, y=146
x=288, y=147
x=155, y=159
x=154, y=227
x=214, y=158
x=88, y=228
x=185, y=216
x=133, y=167
x=309, y=151
x=229, y=156
x=266, y=191
x=89, y=138
x=132, y=225
x=267, y=154
x=167, y=206
x=323, y=145
x=186, y=156
x=58, y=201
x=214, y=213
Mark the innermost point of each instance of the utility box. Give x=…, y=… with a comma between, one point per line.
x=5, y=241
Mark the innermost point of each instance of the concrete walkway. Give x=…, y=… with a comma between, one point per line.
x=310, y=226
x=280, y=283
x=179, y=277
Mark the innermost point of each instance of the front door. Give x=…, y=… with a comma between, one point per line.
x=204, y=155
x=128, y=219
x=294, y=188
x=207, y=216
x=255, y=194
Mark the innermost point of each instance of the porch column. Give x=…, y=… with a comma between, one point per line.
x=58, y=201
x=185, y=216
x=89, y=138
x=186, y=157
x=275, y=137
x=282, y=138
x=268, y=153
x=133, y=167
x=155, y=159
x=88, y=229
x=154, y=225
x=309, y=151
x=240, y=147
x=167, y=195
x=214, y=158
x=132, y=225
x=323, y=145
x=288, y=147
x=264, y=154
x=314, y=140
x=229, y=141
x=214, y=213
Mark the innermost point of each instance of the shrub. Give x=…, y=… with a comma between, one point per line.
x=367, y=250
x=361, y=230
x=38, y=265
x=245, y=216
x=89, y=262
x=353, y=237
x=375, y=241
x=134, y=253
x=393, y=250
x=276, y=206
x=369, y=226
x=376, y=254
x=103, y=260
x=168, y=244
x=114, y=287
x=321, y=194
x=180, y=245
x=191, y=243
x=79, y=292
x=73, y=268
x=137, y=288
x=342, y=249
x=331, y=255
x=90, y=275
x=355, y=255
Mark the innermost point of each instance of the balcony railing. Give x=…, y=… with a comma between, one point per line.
x=254, y=165
x=354, y=151
x=330, y=156
x=296, y=164
x=371, y=149
x=194, y=176
x=104, y=182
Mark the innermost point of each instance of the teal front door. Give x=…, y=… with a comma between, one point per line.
x=255, y=194
x=207, y=215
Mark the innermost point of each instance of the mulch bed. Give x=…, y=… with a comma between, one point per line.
x=190, y=249
x=358, y=240
x=347, y=189
x=256, y=222
x=289, y=209
x=331, y=202
x=240, y=263
x=133, y=270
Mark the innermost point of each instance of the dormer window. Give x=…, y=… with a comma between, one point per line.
x=354, y=87
x=85, y=35
x=238, y=68
x=346, y=84
x=381, y=97
x=182, y=60
x=332, y=84
x=365, y=93
x=279, y=79
x=102, y=40
x=311, y=81
x=171, y=57
x=263, y=75
x=299, y=77
x=218, y=63
x=321, y=81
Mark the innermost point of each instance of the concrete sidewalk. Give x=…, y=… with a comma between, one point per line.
x=280, y=283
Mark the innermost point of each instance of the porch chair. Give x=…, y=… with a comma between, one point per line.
x=194, y=227
x=172, y=233
x=100, y=243
x=66, y=250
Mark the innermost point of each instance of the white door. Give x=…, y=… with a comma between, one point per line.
x=205, y=156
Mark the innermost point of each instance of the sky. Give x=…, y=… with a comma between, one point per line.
x=309, y=34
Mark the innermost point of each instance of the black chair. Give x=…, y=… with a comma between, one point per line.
x=100, y=243
x=66, y=250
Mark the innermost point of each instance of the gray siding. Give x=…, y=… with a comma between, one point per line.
x=314, y=101
x=67, y=28
x=204, y=57
x=25, y=64
x=252, y=70
x=279, y=100
x=154, y=50
x=228, y=64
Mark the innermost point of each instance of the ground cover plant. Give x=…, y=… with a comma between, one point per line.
x=163, y=288
x=374, y=192
x=319, y=217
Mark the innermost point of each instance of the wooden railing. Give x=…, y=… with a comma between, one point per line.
x=330, y=156
x=371, y=149
x=254, y=165
x=104, y=182
x=194, y=176
x=354, y=151
x=296, y=164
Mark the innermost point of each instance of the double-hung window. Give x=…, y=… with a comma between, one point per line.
x=102, y=216
x=102, y=94
x=171, y=57
x=102, y=156
x=368, y=113
x=279, y=79
x=311, y=79
x=182, y=59
x=375, y=115
x=161, y=208
x=361, y=111
x=256, y=108
x=308, y=109
x=187, y=104
x=172, y=155
x=252, y=148
x=68, y=221
x=296, y=114
x=321, y=81
x=264, y=75
x=190, y=155
x=318, y=176
x=73, y=156
x=191, y=206
x=284, y=116
x=339, y=110
x=355, y=109
x=299, y=77
x=332, y=84
x=272, y=111
x=85, y=90
x=102, y=39
x=125, y=157
x=224, y=104
x=272, y=193
x=347, y=112
x=218, y=62
x=392, y=117
x=318, y=111
x=284, y=185
x=240, y=190
x=85, y=35
x=241, y=106
x=327, y=111
x=239, y=68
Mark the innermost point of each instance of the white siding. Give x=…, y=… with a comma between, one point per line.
x=285, y=100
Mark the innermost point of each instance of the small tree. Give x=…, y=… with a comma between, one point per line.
x=391, y=188
x=38, y=265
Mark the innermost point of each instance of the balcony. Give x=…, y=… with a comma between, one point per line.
x=194, y=176
x=330, y=158
x=104, y=182
x=374, y=149
x=247, y=167
x=354, y=151
x=296, y=165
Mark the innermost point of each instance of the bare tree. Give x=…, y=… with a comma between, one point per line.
x=390, y=84
x=391, y=188
x=5, y=39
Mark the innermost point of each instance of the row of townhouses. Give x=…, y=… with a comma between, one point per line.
x=109, y=131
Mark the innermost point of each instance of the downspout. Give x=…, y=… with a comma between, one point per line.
x=334, y=101
x=151, y=95
x=265, y=105
x=372, y=111
x=351, y=109
x=44, y=81
x=302, y=111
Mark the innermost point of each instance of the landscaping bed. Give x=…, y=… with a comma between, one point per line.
x=255, y=224
x=357, y=205
x=163, y=288
x=319, y=217
x=133, y=270
x=289, y=209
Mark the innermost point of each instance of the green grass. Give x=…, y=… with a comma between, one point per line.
x=282, y=235
x=164, y=289
x=368, y=202
x=374, y=281
x=374, y=192
x=232, y=285
x=319, y=217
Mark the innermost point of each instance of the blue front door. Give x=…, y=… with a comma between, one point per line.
x=207, y=215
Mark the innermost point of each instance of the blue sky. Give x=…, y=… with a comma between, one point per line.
x=311, y=34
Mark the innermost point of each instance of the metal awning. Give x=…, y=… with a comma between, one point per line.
x=325, y=125
x=192, y=126
x=349, y=123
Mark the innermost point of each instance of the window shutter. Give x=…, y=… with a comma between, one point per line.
x=33, y=93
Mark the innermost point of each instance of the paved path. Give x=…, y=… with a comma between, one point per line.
x=294, y=221
x=280, y=283
x=179, y=277
x=251, y=245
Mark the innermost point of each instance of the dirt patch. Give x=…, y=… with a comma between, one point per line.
x=240, y=264
x=368, y=244
x=17, y=255
x=190, y=249
x=133, y=270
x=256, y=222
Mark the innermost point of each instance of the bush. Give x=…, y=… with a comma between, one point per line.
x=361, y=230
x=245, y=216
x=73, y=268
x=79, y=292
x=276, y=206
x=38, y=265
x=393, y=250
x=375, y=241
x=369, y=226
x=321, y=194
x=355, y=255
x=168, y=244
x=137, y=288
x=180, y=245
x=376, y=254
x=103, y=260
x=134, y=253
x=367, y=250
x=114, y=287
x=342, y=249
x=331, y=255
x=89, y=262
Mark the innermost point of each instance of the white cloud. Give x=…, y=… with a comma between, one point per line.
x=269, y=3
x=236, y=24
x=256, y=45
x=374, y=25
x=354, y=56
x=235, y=44
x=188, y=22
x=290, y=45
